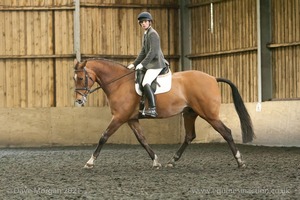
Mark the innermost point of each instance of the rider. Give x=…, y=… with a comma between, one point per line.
x=150, y=59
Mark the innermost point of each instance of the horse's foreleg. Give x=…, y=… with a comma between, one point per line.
x=138, y=132
x=226, y=134
x=189, y=117
x=111, y=129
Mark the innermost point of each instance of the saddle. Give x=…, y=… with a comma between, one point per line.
x=161, y=84
x=140, y=74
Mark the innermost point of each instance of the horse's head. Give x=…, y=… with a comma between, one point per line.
x=84, y=80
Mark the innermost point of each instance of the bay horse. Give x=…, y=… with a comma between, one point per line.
x=193, y=93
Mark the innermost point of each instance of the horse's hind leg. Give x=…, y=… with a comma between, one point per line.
x=137, y=130
x=189, y=117
x=226, y=134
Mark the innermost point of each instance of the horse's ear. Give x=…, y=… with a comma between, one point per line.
x=76, y=63
x=79, y=65
x=84, y=63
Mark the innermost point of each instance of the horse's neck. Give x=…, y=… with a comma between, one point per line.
x=110, y=73
x=105, y=69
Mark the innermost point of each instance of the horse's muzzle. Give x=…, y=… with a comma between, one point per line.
x=80, y=102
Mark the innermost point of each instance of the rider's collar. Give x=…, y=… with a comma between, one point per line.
x=147, y=30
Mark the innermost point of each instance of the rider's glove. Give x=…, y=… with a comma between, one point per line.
x=131, y=66
x=139, y=66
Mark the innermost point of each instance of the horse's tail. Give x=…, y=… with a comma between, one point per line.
x=245, y=120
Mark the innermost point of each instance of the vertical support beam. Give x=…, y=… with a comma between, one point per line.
x=77, y=30
x=259, y=78
x=211, y=18
x=264, y=64
x=185, y=35
x=266, y=56
x=54, y=60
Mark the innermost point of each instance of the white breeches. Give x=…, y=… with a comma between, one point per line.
x=150, y=75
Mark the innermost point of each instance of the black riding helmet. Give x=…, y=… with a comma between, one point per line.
x=144, y=16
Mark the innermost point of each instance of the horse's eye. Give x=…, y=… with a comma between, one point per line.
x=77, y=78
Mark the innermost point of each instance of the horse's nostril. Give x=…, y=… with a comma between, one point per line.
x=79, y=101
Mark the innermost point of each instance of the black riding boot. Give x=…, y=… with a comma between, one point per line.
x=151, y=111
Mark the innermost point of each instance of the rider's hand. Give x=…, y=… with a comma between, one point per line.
x=131, y=66
x=139, y=66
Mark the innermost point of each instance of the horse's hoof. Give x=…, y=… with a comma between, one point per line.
x=88, y=166
x=243, y=165
x=170, y=165
x=157, y=166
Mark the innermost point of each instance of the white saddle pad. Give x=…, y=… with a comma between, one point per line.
x=164, y=84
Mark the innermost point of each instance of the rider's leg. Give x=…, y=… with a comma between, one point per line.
x=151, y=111
x=150, y=75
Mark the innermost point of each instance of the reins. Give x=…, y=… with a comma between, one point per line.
x=87, y=76
x=114, y=80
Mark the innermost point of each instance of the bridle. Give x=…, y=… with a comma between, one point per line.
x=86, y=83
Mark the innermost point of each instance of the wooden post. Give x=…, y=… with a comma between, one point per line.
x=259, y=82
x=77, y=30
x=185, y=34
x=266, y=56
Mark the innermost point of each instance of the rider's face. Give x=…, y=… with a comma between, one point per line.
x=145, y=24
